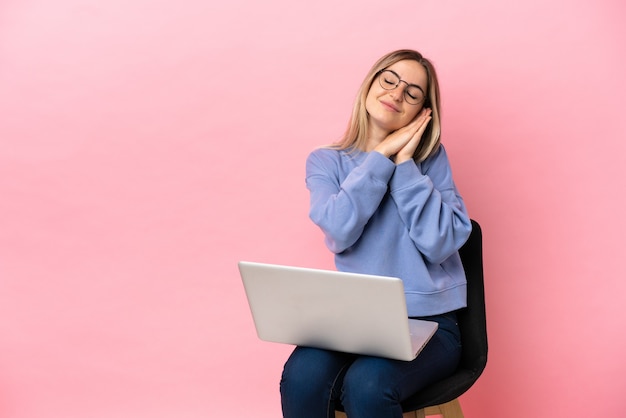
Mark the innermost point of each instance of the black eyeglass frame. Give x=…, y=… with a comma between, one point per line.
x=404, y=93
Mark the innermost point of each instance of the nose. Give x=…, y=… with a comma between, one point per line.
x=397, y=93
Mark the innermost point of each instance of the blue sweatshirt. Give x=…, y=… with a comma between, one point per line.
x=405, y=221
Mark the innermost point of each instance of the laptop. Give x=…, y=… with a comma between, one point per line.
x=348, y=312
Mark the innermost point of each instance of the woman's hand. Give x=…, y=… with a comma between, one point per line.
x=403, y=142
x=407, y=152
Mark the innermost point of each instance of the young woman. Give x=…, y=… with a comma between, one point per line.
x=387, y=204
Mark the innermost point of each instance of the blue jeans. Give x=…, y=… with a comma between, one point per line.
x=315, y=380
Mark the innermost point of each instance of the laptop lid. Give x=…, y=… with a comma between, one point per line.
x=349, y=312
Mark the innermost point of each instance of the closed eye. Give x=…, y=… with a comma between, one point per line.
x=415, y=93
x=389, y=82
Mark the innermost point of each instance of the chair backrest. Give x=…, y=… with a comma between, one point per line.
x=472, y=320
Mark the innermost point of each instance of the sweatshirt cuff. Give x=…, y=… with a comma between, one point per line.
x=405, y=175
x=380, y=167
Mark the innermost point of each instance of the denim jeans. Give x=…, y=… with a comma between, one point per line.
x=315, y=380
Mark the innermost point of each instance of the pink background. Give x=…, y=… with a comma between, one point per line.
x=147, y=146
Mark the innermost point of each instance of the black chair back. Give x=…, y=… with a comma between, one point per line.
x=473, y=319
x=473, y=325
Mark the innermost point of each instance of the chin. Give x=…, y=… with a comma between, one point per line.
x=392, y=126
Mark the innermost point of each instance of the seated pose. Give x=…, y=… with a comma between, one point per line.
x=387, y=204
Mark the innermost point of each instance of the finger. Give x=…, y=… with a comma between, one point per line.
x=423, y=117
x=423, y=127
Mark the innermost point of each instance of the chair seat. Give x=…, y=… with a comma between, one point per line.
x=443, y=391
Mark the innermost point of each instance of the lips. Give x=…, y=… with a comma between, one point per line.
x=389, y=106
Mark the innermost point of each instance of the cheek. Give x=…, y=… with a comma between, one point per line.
x=413, y=112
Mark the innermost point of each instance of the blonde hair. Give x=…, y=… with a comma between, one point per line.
x=355, y=136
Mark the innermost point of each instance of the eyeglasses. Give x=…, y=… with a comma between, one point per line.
x=389, y=80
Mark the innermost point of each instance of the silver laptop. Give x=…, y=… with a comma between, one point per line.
x=354, y=313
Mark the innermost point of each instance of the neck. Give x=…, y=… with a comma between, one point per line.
x=375, y=136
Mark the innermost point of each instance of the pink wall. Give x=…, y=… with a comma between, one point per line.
x=146, y=146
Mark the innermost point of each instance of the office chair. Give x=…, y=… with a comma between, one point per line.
x=441, y=398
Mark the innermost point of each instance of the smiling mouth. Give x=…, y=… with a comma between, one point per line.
x=389, y=106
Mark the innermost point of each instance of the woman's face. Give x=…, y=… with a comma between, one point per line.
x=387, y=109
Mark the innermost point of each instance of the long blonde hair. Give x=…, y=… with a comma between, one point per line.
x=355, y=136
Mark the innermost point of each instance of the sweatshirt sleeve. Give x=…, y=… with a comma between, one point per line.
x=343, y=201
x=430, y=206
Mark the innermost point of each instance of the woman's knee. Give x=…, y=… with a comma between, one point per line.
x=309, y=370
x=366, y=381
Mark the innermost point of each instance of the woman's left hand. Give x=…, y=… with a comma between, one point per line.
x=407, y=152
